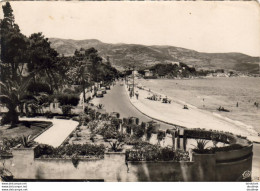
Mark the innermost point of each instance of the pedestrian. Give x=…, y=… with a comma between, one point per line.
x=237, y=104
x=136, y=94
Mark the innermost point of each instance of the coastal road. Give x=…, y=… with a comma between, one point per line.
x=117, y=100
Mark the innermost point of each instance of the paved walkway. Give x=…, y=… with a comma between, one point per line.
x=56, y=134
x=191, y=118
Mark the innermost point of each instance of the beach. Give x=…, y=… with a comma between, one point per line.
x=210, y=93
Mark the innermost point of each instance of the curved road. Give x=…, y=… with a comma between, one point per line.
x=117, y=100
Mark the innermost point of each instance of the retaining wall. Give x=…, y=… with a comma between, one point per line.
x=114, y=168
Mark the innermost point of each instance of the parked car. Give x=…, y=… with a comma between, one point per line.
x=99, y=94
x=103, y=89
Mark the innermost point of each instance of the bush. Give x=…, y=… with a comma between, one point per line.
x=132, y=140
x=9, y=143
x=115, y=123
x=38, y=87
x=150, y=152
x=6, y=119
x=49, y=115
x=138, y=131
x=68, y=91
x=70, y=150
x=66, y=109
x=68, y=99
x=161, y=135
x=84, y=119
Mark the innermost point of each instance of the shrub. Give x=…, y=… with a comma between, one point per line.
x=68, y=99
x=181, y=155
x=66, y=109
x=84, y=119
x=161, y=135
x=132, y=140
x=138, y=131
x=128, y=129
x=49, y=115
x=71, y=151
x=6, y=119
x=38, y=87
x=109, y=133
x=115, y=122
x=100, y=106
x=9, y=143
x=116, y=146
x=150, y=153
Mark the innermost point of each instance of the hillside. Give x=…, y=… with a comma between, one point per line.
x=121, y=55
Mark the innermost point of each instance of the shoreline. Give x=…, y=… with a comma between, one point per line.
x=211, y=93
x=234, y=126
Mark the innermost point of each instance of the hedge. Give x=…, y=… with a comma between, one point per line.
x=150, y=153
x=68, y=99
x=47, y=151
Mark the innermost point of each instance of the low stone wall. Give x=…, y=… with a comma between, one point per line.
x=234, y=154
x=114, y=167
x=161, y=171
x=233, y=165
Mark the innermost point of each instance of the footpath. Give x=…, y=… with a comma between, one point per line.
x=173, y=113
x=57, y=133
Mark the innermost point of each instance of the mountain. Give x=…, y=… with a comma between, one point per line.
x=124, y=55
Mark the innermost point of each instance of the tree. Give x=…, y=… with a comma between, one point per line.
x=11, y=95
x=43, y=60
x=13, y=46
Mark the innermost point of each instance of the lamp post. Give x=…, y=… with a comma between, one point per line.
x=134, y=79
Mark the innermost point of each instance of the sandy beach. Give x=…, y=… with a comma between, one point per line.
x=191, y=118
x=210, y=93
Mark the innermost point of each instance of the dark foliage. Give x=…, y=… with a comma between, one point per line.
x=68, y=99
x=66, y=109
x=38, y=87
x=150, y=153
x=70, y=151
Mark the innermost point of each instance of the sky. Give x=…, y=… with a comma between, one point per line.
x=202, y=26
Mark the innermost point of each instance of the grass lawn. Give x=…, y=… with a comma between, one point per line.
x=23, y=128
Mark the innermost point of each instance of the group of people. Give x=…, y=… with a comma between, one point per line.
x=131, y=93
x=155, y=97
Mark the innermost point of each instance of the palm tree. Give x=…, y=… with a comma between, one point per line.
x=11, y=95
